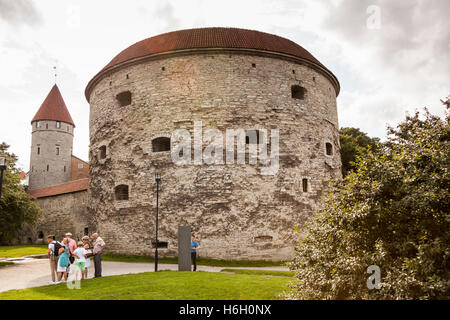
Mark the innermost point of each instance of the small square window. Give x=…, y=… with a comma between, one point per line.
x=80, y=166
x=298, y=92
x=124, y=98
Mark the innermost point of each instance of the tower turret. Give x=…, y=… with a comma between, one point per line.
x=51, y=143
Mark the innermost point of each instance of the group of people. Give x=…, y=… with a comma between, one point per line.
x=69, y=252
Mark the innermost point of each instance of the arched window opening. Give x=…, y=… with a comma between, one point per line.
x=124, y=98
x=305, y=185
x=41, y=235
x=121, y=192
x=298, y=92
x=161, y=144
x=329, y=149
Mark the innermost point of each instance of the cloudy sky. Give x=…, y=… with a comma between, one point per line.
x=390, y=56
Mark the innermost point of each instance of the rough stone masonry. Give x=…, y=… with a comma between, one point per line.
x=234, y=210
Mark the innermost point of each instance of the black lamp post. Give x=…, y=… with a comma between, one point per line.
x=158, y=180
x=2, y=168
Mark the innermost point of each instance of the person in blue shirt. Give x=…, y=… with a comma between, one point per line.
x=194, y=247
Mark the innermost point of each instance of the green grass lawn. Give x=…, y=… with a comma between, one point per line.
x=274, y=273
x=200, y=261
x=163, y=285
x=20, y=251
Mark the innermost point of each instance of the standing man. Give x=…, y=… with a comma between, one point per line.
x=99, y=245
x=194, y=247
x=53, y=247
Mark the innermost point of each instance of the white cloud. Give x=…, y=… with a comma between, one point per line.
x=383, y=73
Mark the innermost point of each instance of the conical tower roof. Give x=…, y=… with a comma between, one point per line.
x=54, y=108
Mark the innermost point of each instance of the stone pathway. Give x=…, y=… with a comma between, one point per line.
x=29, y=273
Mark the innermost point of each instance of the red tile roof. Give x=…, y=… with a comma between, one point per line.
x=211, y=38
x=73, y=186
x=54, y=108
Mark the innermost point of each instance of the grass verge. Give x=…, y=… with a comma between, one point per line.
x=200, y=261
x=20, y=251
x=164, y=285
x=261, y=272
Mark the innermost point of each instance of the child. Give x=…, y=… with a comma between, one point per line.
x=80, y=254
x=89, y=253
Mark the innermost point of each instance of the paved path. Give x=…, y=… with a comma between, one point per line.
x=36, y=272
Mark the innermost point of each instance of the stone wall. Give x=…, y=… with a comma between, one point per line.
x=235, y=212
x=65, y=213
x=79, y=169
x=49, y=166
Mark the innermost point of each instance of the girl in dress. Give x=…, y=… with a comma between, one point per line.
x=88, y=248
x=63, y=261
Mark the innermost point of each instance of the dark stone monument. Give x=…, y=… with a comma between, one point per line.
x=184, y=248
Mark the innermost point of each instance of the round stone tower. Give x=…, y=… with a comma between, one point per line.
x=204, y=83
x=51, y=143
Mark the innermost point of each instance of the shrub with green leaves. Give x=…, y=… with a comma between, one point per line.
x=17, y=208
x=393, y=211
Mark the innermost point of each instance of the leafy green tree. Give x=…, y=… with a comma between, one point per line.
x=393, y=212
x=17, y=208
x=353, y=142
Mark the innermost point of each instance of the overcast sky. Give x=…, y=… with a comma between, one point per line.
x=389, y=56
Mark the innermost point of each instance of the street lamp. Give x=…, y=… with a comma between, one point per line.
x=2, y=168
x=158, y=180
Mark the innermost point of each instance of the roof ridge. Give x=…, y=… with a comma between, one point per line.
x=53, y=108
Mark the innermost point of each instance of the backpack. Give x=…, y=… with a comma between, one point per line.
x=57, y=246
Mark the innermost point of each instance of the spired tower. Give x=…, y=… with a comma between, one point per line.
x=51, y=143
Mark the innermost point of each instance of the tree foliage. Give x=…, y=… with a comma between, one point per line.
x=392, y=212
x=353, y=142
x=17, y=208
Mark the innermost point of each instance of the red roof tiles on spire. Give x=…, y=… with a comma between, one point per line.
x=54, y=108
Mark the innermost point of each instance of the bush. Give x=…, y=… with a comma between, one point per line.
x=393, y=212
